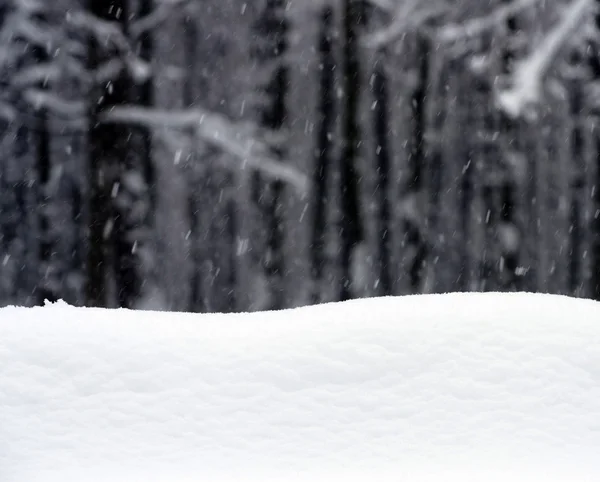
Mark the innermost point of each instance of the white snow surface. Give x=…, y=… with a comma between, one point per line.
x=469, y=387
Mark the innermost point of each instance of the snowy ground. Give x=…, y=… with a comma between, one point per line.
x=481, y=387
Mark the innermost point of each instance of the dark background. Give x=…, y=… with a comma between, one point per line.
x=222, y=155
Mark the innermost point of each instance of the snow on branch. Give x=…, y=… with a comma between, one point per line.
x=33, y=31
x=41, y=99
x=161, y=13
x=526, y=82
x=242, y=141
x=109, y=34
x=217, y=130
x=402, y=19
x=106, y=33
x=386, y=5
x=19, y=24
x=479, y=25
x=29, y=6
x=37, y=73
x=405, y=17
x=7, y=112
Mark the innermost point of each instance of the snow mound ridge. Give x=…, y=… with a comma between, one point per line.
x=472, y=386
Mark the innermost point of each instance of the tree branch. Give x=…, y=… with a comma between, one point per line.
x=407, y=16
x=42, y=99
x=217, y=130
x=386, y=5
x=479, y=25
x=529, y=74
x=109, y=34
x=160, y=14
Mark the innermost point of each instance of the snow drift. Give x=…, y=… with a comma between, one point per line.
x=482, y=387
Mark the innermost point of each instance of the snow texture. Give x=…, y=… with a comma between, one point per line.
x=455, y=387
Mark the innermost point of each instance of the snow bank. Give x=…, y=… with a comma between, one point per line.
x=481, y=387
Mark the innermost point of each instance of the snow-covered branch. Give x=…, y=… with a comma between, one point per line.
x=37, y=73
x=385, y=5
x=41, y=99
x=407, y=16
x=243, y=141
x=29, y=6
x=109, y=34
x=527, y=80
x=7, y=112
x=402, y=19
x=163, y=12
x=215, y=129
x=479, y=25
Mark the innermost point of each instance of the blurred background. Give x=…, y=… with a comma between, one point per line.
x=223, y=155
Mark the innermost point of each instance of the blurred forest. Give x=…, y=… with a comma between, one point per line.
x=223, y=155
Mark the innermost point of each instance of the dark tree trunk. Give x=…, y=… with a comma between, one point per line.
x=415, y=240
x=101, y=139
x=435, y=154
x=489, y=166
x=508, y=228
x=467, y=191
x=146, y=99
x=382, y=155
x=129, y=161
x=351, y=226
x=531, y=278
x=272, y=29
x=108, y=155
x=231, y=234
x=323, y=156
x=476, y=111
x=44, y=291
x=595, y=227
x=42, y=138
x=197, y=299
x=576, y=231
x=594, y=61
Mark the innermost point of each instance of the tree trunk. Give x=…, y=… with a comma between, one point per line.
x=109, y=162
x=382, y=155
x=42, y=138
x=146, y=99
x=466, y=187
x=434, y=162
x=196, y=301
x=230, y=235
x=323, y=156
x=351, y=226
x=577, y=183
x=594, y=62
x=412, y=190
x=595, y=227
x=272, y=29
x=509, y=234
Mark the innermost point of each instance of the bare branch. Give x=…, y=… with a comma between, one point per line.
x=529, y=74
x=217, y=130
